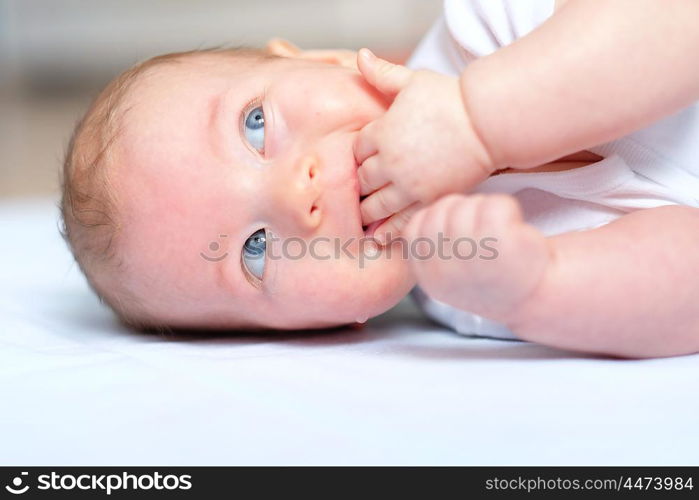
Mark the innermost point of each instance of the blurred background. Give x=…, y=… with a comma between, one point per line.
x=55, y=55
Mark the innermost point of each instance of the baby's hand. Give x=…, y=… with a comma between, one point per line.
x=423, y=147
x=490, y=261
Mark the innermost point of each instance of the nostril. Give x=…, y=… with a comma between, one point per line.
x=314, y=209
x=312, y=171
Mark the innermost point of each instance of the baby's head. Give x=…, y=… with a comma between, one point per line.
x=218, y=189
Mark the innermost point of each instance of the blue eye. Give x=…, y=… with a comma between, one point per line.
x=253, y=255
x=254, y=128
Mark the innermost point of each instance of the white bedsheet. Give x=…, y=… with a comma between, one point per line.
x=76, y=388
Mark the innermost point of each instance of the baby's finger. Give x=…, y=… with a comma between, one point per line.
x=456, y=216
x=386, y=77
x=413, y=229
x=365, y=143
x=382, y=203
x=395, y=224
x=371, y=176
x=428, y=222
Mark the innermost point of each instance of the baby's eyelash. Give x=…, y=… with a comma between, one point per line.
x=249, y=106
x=255, y=101
x=253, y=280
x=252, y=103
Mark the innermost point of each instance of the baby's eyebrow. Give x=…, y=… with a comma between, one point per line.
x=215, y=132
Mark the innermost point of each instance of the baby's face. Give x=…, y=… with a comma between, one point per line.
x=218, y=153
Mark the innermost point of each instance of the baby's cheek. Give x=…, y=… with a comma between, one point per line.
x=320, y=105
x=333, y=287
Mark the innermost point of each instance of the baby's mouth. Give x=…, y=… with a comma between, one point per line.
x=369, y=230
x=361, y=199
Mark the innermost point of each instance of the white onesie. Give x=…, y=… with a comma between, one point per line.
x=658, y=165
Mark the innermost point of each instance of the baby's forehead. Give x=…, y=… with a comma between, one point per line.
x=166, y=124
x=172, y=76
x=176, y=83
x=165, y=136
x=202, y=65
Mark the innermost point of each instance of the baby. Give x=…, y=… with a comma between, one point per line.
x=245, y=188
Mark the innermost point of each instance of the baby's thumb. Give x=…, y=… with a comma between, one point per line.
x=386, y=77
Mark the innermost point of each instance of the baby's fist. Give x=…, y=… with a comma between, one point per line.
x=490, y=262
x=422, y=148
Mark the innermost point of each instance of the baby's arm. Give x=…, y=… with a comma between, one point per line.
x=628, y=288
x=595, y=71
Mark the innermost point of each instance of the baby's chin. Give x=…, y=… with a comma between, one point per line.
x=312, y=324
x=226, y=322
x=337, y=319
x=237, y=327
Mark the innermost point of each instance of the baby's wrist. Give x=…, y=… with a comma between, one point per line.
x=470, y=83
x=526, y=311
x=477, y=147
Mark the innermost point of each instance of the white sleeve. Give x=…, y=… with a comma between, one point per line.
x=437, y=51
x=483, y=26
x=469, y=29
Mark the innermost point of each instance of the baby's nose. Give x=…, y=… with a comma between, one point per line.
x=301, y=196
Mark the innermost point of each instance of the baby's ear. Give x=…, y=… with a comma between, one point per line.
x=346, y=58
x=284, y=48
